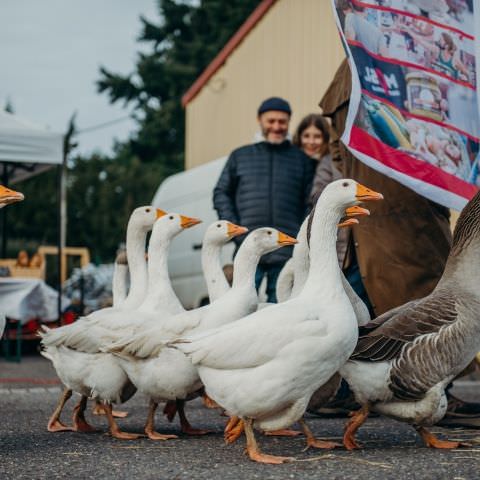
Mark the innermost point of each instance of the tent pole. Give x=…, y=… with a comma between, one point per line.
x=4, y=213
x=59, y=240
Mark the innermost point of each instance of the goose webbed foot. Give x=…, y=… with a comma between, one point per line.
x=433, y=441
x=58, y=426
x=54, y=423
x=115, y=431
x=254, y=452
x=283, y=432
x=356, y=421
x=80, y=424
x=313, y=442
x=150, y=425
x=185, y=424
x=233, y=429
x=99, y=409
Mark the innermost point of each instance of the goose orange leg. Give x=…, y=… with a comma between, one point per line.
x=433, y=442
x=170, y=410
x=185, y=424
x=79, y=422
x=233, y=429
x=150, y=425
x=254, y=452
x=209, y=402
x=355, y=422
x=283, y=432
x=99, y=409
x=315, y=442
x=54, y=423
x=115, y=429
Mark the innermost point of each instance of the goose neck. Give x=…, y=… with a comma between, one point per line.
x=217, y=284
x=160, y=293
x=462, y=269
x=245, y=265
x=136, y=261
x=324, y=271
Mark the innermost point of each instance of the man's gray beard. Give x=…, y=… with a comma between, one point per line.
x=274, y=142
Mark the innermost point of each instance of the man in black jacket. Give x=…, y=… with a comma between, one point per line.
x=267, y=184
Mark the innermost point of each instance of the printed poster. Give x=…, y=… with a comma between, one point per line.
x=414, y=111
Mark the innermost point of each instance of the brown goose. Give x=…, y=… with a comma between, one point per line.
x=406, y=357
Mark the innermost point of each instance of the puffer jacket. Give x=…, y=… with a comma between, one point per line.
x=266, y=185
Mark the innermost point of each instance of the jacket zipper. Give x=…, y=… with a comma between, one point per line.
x=270, y=191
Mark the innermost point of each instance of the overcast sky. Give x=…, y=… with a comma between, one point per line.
x=50, y=54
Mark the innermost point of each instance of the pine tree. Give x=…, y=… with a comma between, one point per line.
x=103, y=190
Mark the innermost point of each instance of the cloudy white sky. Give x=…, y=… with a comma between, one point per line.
x=50, y=54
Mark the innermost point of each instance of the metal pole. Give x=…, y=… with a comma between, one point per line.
x=59, y=240
x=4, y=213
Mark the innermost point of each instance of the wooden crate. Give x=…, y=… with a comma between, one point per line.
x=23, y=272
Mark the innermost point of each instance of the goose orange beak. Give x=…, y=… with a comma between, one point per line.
x=348, y=222
x=363, y=193
x=284, y=239
x=235, y=230
x=8, y=196
x=356, y=211
x=187, y=222
x=160, y=213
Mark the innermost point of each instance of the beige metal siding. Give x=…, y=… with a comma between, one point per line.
x=292, y=52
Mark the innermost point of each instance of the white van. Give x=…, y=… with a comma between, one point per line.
x=190, y=193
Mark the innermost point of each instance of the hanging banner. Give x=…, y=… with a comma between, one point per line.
x=414, y=110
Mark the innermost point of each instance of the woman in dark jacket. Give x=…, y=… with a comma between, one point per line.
x=313, y=136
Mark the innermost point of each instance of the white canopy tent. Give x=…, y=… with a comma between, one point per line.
x=26, y=149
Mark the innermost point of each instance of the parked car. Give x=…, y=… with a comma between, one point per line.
x=190, y=193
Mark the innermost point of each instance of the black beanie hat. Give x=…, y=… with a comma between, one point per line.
x=274, y=103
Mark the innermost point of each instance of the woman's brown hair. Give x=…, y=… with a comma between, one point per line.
x=318, y=121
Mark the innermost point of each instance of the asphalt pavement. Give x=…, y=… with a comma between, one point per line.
x=29, y=391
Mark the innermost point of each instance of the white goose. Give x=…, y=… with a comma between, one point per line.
x=7, y=196
x=98, y=375
x=217, y=234
x=264, y=368
x=406, y=357
x=120, y=280
x=140, y=223
x=91, y=335
x=294, y=274
x=167, y=374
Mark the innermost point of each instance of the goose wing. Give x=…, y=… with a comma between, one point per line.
x=251, y=341
x=421, y=341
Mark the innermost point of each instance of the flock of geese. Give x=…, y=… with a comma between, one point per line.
x=261, y=363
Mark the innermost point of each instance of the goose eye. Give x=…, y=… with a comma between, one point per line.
x=148, y=210
x=269, y=232
x=218, y=225
x=171, y=217
x=345, y=184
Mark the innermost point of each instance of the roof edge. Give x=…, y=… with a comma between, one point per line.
x=226, y=51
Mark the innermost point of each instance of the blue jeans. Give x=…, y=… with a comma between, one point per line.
x=272, y=272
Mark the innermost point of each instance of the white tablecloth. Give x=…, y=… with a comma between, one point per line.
x=26, y=298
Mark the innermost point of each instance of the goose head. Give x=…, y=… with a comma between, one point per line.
x=169, y=225
x=222, y=231
x=267, y=239
x=143, y=218
x=342, y=194
x=8, y=196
